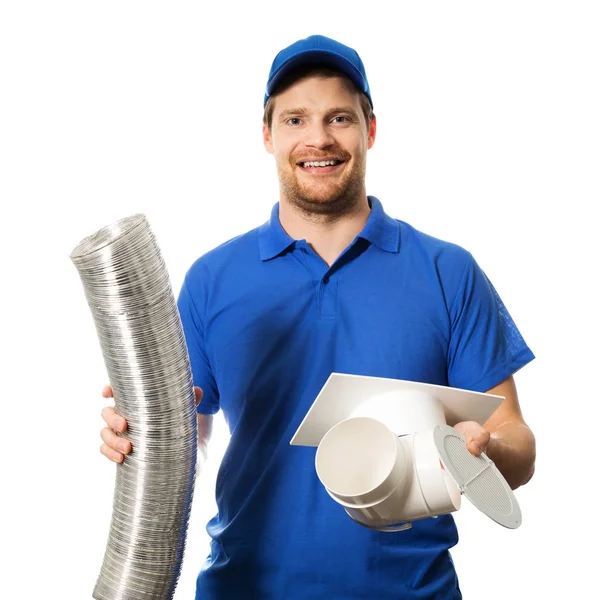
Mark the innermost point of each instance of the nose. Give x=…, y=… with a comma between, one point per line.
x=318, y=135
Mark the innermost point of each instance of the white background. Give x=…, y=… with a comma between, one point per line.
x=489, y=129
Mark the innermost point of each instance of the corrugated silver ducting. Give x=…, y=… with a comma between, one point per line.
x=129, y=294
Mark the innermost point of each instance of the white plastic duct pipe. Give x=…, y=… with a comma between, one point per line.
x=384, y=481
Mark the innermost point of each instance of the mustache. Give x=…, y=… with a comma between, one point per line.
x=335, y=154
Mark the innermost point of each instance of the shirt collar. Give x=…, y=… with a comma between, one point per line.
x=380, y=230
x=272, y=239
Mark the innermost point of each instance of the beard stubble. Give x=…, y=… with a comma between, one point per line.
x=326, y=200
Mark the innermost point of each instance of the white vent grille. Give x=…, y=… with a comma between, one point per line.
x=477, y=478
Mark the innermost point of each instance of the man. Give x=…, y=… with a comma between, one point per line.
x=331, y=284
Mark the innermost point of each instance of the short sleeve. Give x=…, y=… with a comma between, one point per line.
x=485, y=345
x=193, y=329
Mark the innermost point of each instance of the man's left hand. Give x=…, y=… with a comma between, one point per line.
x=477, y=437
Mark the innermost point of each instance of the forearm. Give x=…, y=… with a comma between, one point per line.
x=512, y=448
x=202, y=451
x=205, y=428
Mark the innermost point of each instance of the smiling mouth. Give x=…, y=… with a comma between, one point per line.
x=320, y=167
x=308, y=164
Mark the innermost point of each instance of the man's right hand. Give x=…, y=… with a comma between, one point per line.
x=115, y=447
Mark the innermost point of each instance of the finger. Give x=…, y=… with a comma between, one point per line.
x=111, y=454
x=114, y=420
x=113, y=441
x=198, y=393
x=107, y=392
x=474, y=447
x=478, y=443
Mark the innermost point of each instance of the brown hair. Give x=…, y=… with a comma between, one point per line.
x=319, y=72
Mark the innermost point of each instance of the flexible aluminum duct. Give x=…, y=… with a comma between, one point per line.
x=129, y=294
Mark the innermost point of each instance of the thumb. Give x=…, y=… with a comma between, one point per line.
x=198, y=393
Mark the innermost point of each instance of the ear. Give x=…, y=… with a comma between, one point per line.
x=267, y=140
x=372, y=133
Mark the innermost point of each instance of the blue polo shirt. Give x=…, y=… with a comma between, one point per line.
x=266, y=322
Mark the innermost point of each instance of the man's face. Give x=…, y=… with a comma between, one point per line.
x=319, y=138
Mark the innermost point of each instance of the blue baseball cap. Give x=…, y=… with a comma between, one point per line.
x=318, y=50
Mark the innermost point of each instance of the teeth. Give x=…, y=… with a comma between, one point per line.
x=319, y=163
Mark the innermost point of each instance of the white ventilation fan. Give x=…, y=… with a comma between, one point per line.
x=387, y=451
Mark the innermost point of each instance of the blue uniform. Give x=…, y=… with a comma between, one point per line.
x=266, y=322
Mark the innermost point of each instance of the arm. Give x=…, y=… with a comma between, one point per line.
x=512, y=443
x=205, y=427
x=504, y=437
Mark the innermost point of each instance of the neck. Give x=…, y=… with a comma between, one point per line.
x=327, y=234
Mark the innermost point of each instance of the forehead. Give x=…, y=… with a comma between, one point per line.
x=317, y=92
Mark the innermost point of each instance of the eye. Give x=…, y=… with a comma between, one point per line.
x=293, y=121
x=341, y=119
